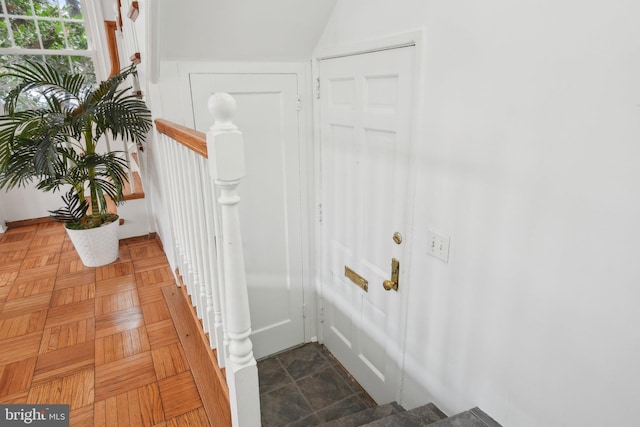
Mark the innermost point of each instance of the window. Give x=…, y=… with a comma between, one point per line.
x=52, y=31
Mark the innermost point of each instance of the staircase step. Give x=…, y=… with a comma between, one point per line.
x=365, y=416
x=472, y=418
x=421, y=416
x=129, y=194
x=479, y=413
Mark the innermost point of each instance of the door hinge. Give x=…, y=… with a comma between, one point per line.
x=318, y=88
x=299, y=103
x=319, y=212
x=321, y=314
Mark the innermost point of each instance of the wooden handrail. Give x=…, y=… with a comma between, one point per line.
x=112, y=43
x=192, y=139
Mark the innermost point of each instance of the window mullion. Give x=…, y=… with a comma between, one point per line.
x=45, y=18
x=23, y=51
x=35, y=20
x=64, y=27
x=8, y=23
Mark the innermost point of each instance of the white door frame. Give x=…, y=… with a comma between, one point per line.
x=414, y=38
x=305, y=134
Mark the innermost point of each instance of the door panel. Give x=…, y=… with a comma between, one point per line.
x=270, y=207
x=366, y=136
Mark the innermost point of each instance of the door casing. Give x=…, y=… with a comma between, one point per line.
x=417, y=40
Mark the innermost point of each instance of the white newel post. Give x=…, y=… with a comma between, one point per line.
x=215, y=294
x=226, y=164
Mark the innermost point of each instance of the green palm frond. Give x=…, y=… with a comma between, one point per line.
x=46, y=80
x=127, y=117
x=107, y=89
x=29, y=145
x=74, y=209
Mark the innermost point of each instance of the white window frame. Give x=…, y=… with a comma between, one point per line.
x=93, y=22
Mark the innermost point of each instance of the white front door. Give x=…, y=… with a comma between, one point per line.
x=270, y=205
x=366, y=131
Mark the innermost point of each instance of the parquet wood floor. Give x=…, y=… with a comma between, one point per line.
x=103, y=340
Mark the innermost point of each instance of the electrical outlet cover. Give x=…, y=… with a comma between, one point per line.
x=438, y=245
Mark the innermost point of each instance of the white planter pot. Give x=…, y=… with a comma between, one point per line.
x=97, y=246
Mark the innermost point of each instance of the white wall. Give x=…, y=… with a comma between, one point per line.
x=242, y=30
x=28, y=203
x=528, y=157
x=108, y=9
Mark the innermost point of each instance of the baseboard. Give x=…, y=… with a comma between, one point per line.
x=27, y=222
x=209, y=378
x=144, y=238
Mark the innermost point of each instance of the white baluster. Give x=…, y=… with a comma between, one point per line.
x=175, y=184
x=167, y=177
x=173, y=180
x=207, y=266
x=201, y=248
x=182, y=216
x=194, y=280
x=226, y=164
x=127, y=159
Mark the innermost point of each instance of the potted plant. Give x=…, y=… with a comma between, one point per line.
x=49, y=134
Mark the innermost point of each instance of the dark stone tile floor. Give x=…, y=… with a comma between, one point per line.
x=306, y=387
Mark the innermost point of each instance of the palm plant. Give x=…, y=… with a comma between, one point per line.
x=50, y=132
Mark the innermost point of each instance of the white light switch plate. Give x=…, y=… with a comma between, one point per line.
x=438, y=245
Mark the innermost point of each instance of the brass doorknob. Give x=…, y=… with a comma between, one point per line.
x=389, y=285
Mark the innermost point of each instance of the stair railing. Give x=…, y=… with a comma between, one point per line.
x=200, y=177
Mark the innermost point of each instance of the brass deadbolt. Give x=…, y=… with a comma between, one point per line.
x=397, y=237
